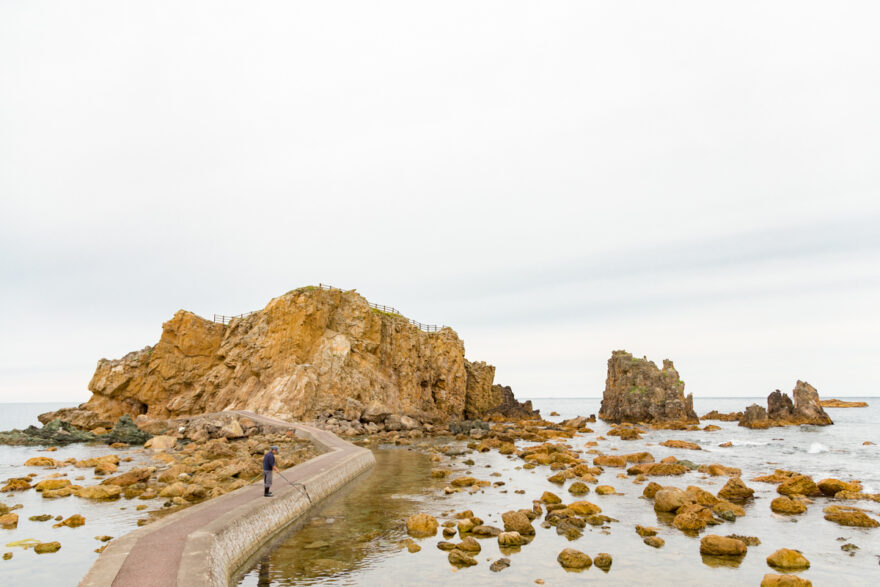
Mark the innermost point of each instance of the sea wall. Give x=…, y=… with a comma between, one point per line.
x=205, y=544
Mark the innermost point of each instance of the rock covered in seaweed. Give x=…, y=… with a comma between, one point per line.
x=637, y=391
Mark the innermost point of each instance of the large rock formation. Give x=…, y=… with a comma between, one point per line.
x=637, y=391
x=308, y=352
x=782, y=411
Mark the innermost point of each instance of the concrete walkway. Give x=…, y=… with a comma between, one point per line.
x=206, y=543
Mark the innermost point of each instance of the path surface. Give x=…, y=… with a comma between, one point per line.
x=155, y=558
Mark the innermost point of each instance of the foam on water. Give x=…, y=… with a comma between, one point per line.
x=817, y=447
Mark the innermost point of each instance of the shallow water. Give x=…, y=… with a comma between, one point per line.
x=401, y=485
x=115, y=518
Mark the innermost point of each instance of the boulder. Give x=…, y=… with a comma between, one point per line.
x=715, y=545
x=570, y=558
x=461, y=559
x=548, y=497
x=50, y=484
x=603, y=560
x=160, y=443
x=47, y=547
x=517, y=521
x=100, y=492
x=17, y=484
x=773, y=580
x=692, y=518
x=584, y=508
x=654, y=541
x=73, y=521
x=499, y=565
x=610, y=461
x=849, y=516
x=421, y=525
x=130, y=478
x=786, y=505
x=42, y=462
x=637, y=391
x=800, y=485
x=469, y=545
x=832, y=487
x=681, y=444
x=735, y=490
x=788, y=559
x=670, y=499
x=510, y=539
x=9, y=521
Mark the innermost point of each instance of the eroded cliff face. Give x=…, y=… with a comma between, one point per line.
x=307, y=352
x=637, y=391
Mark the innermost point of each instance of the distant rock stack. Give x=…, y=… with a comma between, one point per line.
x=782, y=411
x=637, y=391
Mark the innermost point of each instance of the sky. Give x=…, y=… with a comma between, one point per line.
x=556, y=180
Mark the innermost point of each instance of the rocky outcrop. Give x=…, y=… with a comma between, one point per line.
x=782, y=411
x=308, y=353
x=637, y=391
x=839, y=403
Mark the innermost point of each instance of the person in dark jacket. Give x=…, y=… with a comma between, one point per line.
x=268, y=467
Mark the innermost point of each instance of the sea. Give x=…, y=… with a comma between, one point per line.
x=357, y=537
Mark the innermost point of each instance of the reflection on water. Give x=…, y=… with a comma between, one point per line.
x=354, y=539
x=361, y=523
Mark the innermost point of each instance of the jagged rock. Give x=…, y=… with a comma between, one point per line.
x=782, y=411
x=779, y=406
x=54, y=432
x=755, y=416
x=637, y=391
x=308, y=352
x=807, y=406
x=499, y=565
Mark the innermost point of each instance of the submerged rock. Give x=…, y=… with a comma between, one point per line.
x=47, y=547
x=637, y=391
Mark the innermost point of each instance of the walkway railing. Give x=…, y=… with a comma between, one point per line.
x=223, y=319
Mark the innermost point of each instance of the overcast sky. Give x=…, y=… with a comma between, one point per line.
x=684, y=179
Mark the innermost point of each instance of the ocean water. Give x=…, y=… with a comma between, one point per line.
x=354, y=538
x=67, y=566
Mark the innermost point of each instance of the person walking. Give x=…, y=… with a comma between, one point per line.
x=268, y=467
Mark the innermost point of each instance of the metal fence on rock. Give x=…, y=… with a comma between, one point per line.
x=223, y=319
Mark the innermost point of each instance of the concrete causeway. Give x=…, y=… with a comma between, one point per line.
x=206, y=543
